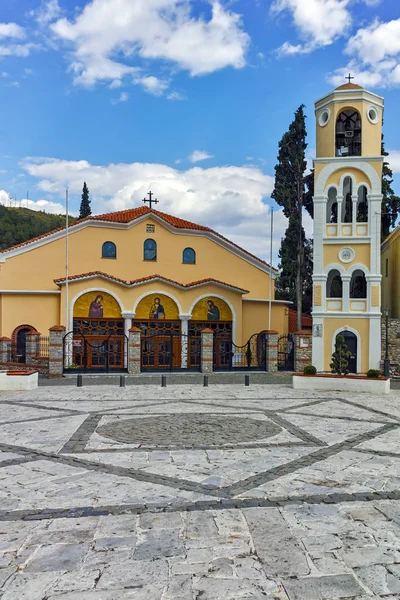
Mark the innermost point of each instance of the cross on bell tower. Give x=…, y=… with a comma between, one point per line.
x=150, y=199
x=349, y=77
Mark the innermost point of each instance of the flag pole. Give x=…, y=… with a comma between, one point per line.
x=66, y=264
x=270, y=271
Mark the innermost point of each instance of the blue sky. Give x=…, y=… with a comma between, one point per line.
x=187, y=98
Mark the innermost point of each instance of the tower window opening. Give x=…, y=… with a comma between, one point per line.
x=347, y=216
x=348, y=133
x=362, y=205
x=358, y=285
x=334, y=288
x=332, y=206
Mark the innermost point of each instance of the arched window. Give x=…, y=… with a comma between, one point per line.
x=189, y=256
x=348, y=133
x=150, y=250
x=347, y=210
x=334, y=285
x=362, y=205
x=109, y=250
x=331, y=207
x=358, y=285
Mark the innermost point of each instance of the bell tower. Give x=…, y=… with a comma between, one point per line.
x=347, y=227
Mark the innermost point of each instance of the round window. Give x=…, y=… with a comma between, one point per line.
x=324, y=116
x=372, y=114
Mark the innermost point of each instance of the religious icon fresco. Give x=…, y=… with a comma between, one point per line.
x=157, y=307
x=211, y=309
x=157, y=310
x=97, y=305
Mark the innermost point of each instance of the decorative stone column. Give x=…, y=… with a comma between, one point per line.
x=5, y=349
x=184, y=339
x=346, y=292
x=56, y=337
x=32, y=346
x=302, y=349
x=271, y=350
x=134, y=351
x=207, y=350
x=354, y=199
x=127, y=316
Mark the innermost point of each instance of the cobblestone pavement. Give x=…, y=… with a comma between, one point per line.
x=192, y=493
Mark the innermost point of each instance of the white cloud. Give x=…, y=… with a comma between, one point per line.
x=123, y=97
x=152, y=85
x=375, y=52
x=47, y=12
x=14, y=84
x=19, y=50
x=228, y=198
x=198, y=155
x=108, y=36
x=54, y=208
x=319, y=22
x=394, y=160
x=176, y=96
x=11, y=30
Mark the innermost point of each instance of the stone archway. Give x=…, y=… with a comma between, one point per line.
x=18, y=341
x=214, y=313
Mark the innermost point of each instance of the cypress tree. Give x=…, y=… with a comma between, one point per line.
x=85, y=210
x=289, y=193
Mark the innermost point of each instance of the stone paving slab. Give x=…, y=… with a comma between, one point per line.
x=306, y=509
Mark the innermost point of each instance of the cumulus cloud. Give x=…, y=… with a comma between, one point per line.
x=106, y=46
x=123, y=97
x=11, y=30
x=199, y=155
x=375, y=55
x=9, y=33
x=152, y=85
x=176, y=96
x=394, y=160
x=318, y=22
x=54, y=208
x=228, y=198
x=47, y=12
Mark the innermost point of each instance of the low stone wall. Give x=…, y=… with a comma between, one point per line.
x=394, y=345
x=38, y=363
x=302, y=349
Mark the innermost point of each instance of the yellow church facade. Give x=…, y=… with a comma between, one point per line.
x=390, y=265
x=138, y=267
x=347, y=216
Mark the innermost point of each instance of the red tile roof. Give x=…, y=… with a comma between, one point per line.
x=127, y=216
x=132, y=282
x=306, y=321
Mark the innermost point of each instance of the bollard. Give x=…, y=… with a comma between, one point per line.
x=122, y=381
x=163, y=381
x=79, y=381
x=247, y=380
x=205, y=382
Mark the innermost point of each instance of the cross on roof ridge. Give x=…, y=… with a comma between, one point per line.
x=150, y=200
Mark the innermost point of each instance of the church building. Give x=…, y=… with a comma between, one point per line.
x=139, y=267
x=347, y=227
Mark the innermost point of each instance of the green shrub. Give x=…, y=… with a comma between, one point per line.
x=339, y=364
x=373, y=373
x=310, y=370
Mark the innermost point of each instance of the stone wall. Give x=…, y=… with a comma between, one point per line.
x=394, y=345
x=302, y=349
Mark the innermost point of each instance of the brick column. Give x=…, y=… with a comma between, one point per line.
x=56, y=335
x=32, y=346
x=271, y=347
x=302, y=349
x=5, y=349
x=207, y=348
x=134, y=351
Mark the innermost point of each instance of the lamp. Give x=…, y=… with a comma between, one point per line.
x=386, y=362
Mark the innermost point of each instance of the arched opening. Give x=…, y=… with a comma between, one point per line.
x=362, y=205
x=189, y=256
x=150, y=250
x=334, y=287
x=98, y=337
x=109, y=250
x=18, y=342
x=347, y=209
x=214, y=313
x=358, y=285
x=332, y=206
x=157, y=315
x=350, y=340
x=348, y=133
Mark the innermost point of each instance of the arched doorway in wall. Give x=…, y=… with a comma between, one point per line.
x=18, y=342
x=98, y=341
x=157, y=315
x=214, y=313
x=350, y=339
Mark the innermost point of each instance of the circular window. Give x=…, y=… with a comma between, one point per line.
x=372, y=114
x=346, y=255
x=324, y=117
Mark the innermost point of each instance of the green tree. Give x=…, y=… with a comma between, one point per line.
x=85, y=210
x=340, y=364
x=390, y=202
x=289, y=193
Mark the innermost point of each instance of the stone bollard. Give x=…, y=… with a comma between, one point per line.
x=5, y=349
x=207, y=350
x=56, y=337
x=134, y=351
x=32, y=346
x=271, y=347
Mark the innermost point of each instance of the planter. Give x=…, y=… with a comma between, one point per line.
x=347, y=383
x=18, y=380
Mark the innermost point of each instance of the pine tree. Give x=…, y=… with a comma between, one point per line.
x=340, y=364
x=289, y=193
x=390, y=202
x=85, y=210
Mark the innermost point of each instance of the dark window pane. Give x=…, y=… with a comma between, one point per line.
x=109, y=250
x=189, y=256
x=150, y=250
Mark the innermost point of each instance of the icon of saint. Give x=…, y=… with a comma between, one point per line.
x=96, y=308
x=212, y=312
x=157, y=310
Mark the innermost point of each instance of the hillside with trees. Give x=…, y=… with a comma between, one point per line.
x=21, y=224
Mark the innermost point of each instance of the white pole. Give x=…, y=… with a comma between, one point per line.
x=270, y=271
x=66, y=264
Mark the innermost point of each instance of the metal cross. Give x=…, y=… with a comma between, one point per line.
x=150, y=200
x=349, y=77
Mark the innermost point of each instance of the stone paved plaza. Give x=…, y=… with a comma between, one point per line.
x=192, y=493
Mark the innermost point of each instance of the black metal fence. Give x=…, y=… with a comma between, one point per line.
x=170, y=352
x=251, y=356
